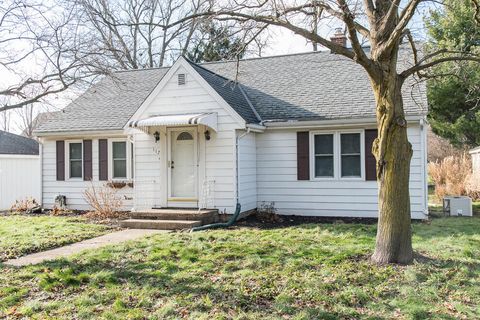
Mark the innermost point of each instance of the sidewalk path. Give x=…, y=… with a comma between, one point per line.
x=98, y=242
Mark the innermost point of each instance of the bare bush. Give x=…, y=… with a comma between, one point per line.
x=24, y=205
x=453, y=176
x=439, y=148
x=104, y=200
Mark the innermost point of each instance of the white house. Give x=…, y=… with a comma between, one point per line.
x=475, y=153
x=295, y=130
x=19, y=169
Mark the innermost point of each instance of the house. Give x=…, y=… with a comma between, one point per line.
x=475, y=154
x=19, y=169
x=292, y=131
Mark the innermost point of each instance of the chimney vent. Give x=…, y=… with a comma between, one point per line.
x=339, y=37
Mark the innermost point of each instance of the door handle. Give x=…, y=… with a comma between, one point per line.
x=172, y=164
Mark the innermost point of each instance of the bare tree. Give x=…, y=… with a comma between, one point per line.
x=384, y=24
x=5, y=120
x=41, y=51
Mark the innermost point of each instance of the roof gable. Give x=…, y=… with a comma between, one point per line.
x=237, y=113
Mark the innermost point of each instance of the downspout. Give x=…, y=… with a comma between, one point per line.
x=40, y=153
x=238, y=206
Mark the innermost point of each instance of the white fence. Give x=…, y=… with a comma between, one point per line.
x=19, y=179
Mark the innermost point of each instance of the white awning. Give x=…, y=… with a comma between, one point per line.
x=207, y=119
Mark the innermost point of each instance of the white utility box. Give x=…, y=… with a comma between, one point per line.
x=457, y=206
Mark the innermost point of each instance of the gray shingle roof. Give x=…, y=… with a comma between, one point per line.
x=311, y=86
x=14, y=144
x=230, y=91
x=108, y=104
x=305, y=86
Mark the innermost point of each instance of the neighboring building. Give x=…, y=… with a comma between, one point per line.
x=19, y=169
x=475, y=153
x=295, y=130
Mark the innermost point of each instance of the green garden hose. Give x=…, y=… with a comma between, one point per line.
x=230, y=222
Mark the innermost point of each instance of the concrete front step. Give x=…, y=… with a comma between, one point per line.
x=159, y=224
x=205, y=216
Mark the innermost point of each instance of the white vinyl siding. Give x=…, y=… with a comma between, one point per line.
x=216, y=157
x=73, y=188
x=277, y=181
x=247, y=171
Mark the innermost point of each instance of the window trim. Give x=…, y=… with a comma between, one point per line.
x=67, y=160
x=362, y=154
x=337, y=156
x=312, y=155
x=128, y=147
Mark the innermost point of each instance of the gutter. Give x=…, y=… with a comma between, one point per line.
x=79, y=133
x=278, y=124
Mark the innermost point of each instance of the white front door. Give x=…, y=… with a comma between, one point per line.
x=182, y=167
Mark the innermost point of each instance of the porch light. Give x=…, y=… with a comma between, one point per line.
x=207, y=135
x=156, y=135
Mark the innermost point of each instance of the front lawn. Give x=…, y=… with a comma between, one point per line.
x=21, y=234
x=302, y=272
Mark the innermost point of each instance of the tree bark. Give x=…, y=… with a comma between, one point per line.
x=393, y=153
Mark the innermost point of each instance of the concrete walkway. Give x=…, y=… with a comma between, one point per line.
x=94, y=243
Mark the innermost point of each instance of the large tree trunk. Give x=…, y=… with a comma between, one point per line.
x=393, y=153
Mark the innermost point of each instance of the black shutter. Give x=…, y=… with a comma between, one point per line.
x=103, y=159
x=370, y=162
x=87, y=160
x=60, y=160
x=303, y=156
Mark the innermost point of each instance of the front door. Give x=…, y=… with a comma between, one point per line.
x=182, y=168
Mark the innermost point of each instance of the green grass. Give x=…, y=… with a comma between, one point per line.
x=304, y=272
x=20, y=234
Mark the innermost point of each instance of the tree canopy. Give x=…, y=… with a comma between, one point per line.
x=454, y=99
x=216, y=44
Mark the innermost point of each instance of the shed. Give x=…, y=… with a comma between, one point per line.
x=19, y=169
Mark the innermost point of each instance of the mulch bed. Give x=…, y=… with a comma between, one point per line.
x=271, y=221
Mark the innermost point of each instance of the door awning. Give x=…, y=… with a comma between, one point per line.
x=207, y=119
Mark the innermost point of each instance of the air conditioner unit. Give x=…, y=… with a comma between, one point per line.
x=457, y=206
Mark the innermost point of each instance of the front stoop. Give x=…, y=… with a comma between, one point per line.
x=169, y=219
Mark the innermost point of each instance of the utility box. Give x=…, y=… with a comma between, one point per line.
x=457, y=206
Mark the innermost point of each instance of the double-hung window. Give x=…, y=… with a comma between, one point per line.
x=350, y=153
x=337, y=155
x=324, y=155
x=75, y=159
x=119, y=159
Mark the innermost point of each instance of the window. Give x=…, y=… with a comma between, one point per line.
x=337, y=154
x=75, y=159
x=119, y=159
x=324, y=155
x=350, y=152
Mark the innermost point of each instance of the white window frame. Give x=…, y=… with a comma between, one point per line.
x=312, y=155
x=362, y=154
x=67, y=157
x=110, y=158
x=337, y=156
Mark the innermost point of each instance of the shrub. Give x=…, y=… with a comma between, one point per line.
x=104, y=201
x=453, y=176
x=24, y=205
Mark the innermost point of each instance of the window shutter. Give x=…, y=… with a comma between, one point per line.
x=303, y=156
x=103, y=159
x=60, y=160
x=87, y=160
x=370, y=162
